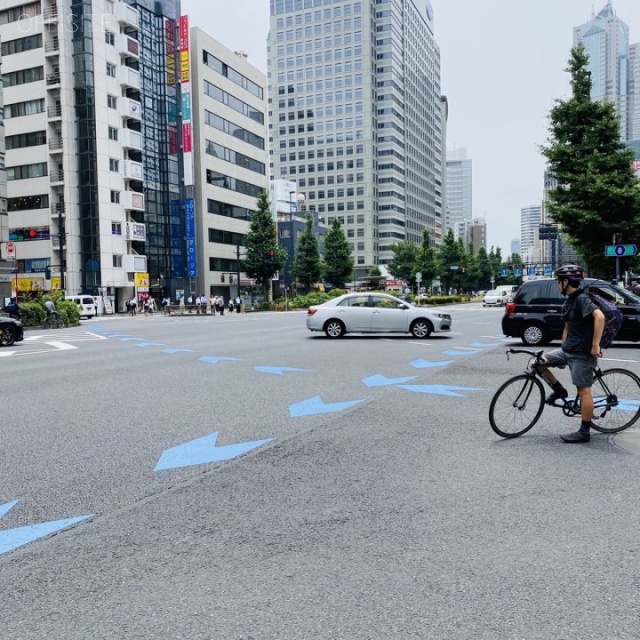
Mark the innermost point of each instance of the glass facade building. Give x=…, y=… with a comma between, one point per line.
x=356, y=117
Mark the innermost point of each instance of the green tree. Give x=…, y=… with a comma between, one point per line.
x=426, y=260
x=495, y=261
x=597, y=193
x=449, y=256
x=264, y=258
x=374, y=276
x=403, y=263
x=338, y=263
x=307, y=267
x=484, y=269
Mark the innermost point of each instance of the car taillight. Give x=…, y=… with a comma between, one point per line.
x=510, y=308
x=311, y=311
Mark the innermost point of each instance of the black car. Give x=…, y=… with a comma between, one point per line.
x=535, y=315
x=10, y=331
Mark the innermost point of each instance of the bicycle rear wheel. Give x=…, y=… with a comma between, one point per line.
x=616, y=400
x=516, y=406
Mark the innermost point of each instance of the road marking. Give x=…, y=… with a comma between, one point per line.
x=61, y=346
x=315, y=405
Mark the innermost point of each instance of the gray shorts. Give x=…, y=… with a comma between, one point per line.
x=581, y=365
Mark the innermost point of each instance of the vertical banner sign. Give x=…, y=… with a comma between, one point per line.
x=185, y=105
x=177, y=261
x=170, y=44
x=184, y=49
x=190, y=229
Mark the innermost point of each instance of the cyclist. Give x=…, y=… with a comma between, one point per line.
x=580, y=349
x=52, y=313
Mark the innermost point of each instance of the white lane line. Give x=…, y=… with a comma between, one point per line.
x=61, y=346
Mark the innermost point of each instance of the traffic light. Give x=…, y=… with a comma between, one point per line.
x=222, y=277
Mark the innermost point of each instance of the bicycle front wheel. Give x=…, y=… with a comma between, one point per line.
x=516, y=406
x=616, y=400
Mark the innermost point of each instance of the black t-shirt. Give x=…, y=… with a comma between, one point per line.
x=577, y=313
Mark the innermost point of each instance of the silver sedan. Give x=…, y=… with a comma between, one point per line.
x=374, y=313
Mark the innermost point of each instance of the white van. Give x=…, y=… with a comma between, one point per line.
x=86, y=305
x=509, y=290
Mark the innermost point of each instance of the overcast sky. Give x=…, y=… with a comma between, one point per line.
x=502, y=68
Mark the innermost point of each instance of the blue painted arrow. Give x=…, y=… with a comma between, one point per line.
x=216, y=359
x=426, y=364
x=5, y=508
x=116, y=335
x=131, y=339
x=438, y=389
x=381, y=381
x=151, y=344
x=14, y=538
x=454, y=352
x=278, y=371
x=315, y=405
x=202, y=451
x=173, y=351
x=484, y=344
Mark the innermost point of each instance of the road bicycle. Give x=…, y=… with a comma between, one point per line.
x=54, y=321
x=517, y=405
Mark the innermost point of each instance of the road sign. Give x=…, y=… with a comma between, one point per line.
x=11, y=248
x=419, y=277
x=620, y=250
x=503, y=273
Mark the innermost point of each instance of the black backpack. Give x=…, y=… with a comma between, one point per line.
x=612, y=318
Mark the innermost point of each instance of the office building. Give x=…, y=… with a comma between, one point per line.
x=614, y=65
x=230, y=159
x=515, y=246
x=476, y=234
x=459, y=190
x=92, y=157
x=6, y=260
x=530, y=219
x=354, y=92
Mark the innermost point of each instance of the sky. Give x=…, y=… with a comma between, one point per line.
x=503, y=66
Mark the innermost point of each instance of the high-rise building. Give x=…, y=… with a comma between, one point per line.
x=354, y=92
x=459, y=185
x=614, y=65
x=93, y=163
x=230, y=155
x=5, y=259
x=515, y=246
x=530, y=219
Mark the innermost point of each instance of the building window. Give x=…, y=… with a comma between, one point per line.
x=112, y=102
x=25, y=171
x=116, y=230
x=114, y=164
x=113, y=133
x=115, y=197
x=23, y=76
x=111, y=70
x=28, y=108
x=117, y=261
x=21, y=140
x=21, y=44
x=109, y=37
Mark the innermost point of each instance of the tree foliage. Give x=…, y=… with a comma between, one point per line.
x=403, y=263
x=307, y=267
x=597, y=193
x=338, y=263
x=426, y=259
x=264, y=258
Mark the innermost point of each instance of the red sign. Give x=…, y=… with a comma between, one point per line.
x=186, y=137
x=184, y=33
x=11, y=248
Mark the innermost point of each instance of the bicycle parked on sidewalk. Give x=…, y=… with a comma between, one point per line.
x=518, y=404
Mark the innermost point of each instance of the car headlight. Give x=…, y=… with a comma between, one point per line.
x=444, y=316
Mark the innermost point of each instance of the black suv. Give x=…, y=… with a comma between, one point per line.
x=535, y=315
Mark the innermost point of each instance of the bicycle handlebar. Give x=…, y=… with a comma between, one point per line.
x=536, y=354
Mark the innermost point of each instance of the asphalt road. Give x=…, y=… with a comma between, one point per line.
x=363, y=507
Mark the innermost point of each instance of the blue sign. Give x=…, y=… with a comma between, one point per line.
x=190, y=233
x=531, y=271
x=503, y=273
x=547, y=271
x=517, y=271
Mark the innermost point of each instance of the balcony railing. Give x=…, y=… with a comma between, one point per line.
x=52, y=46
x=55, y=111
x=53, y=78
x=50, y=15
x=56, y=176
x=57, y=208
x=55, y=144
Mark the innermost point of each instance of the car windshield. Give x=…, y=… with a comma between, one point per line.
x=492, y=293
